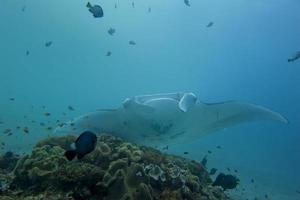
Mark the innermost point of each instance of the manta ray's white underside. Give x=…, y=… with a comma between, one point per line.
x=159, y=118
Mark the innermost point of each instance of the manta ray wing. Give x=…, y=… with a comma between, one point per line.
x=208, y=118
x=105, y=120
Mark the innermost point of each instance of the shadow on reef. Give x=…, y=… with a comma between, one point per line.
x=114, y=170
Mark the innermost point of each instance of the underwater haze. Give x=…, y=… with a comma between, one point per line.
x=55, y=65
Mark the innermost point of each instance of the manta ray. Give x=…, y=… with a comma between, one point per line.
x=159, y=118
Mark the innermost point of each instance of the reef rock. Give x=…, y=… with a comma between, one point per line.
x=114, y=170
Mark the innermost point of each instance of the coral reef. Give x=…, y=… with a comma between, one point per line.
x=114, y=170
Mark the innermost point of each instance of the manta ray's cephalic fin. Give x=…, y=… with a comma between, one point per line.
x=187, y=101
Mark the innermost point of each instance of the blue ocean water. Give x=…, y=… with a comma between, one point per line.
x=243, y=56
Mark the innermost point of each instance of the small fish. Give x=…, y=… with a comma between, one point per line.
x=108, y=53
x=252, y=180
x=1, y=122
x=84, y=144
x=9, y=134
x=6, y=131
x=23, y=8
x=298, y=191
x=3, y=143
x=48, y=44
x=149, y=10
x=218, y=147
x=27, y=53
x=210, y=24
x=111, y=31
x=165, y=148
x=25, y=130
x=49, y=128
x=185, y=152
x=47, y=114
x=187, y=2
x=96, y=10
x=42, y=124
x=44, y=107
x=64, y=114
x=57, y=121
x=228, y=169
x=18, y=127
x=236, y=171
x=115, y=5
x=295, y=57
x=132, y=4
x=209, y=151
x=266, y=196
x=71, y=108
x=213, y=171
x=204, y=161
x=131, y=42
x=11, y=99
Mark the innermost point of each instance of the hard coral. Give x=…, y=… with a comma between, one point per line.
x=114, y=170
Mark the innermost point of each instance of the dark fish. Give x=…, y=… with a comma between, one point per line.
x=27, y=53
x=185, y=152
x=96, y=10
x=226, y=181
x=111, y=31
x=84, y=144
x=49, y=128
x=26, y=130
x=43, y=107
x=165, y=148
x=210, y=24
x=108, y=53
x=209, y=151
x=219, y=147
x=32, y=121
x=11, y=99
x=187, y=2
x=149, y=10
x=236, y=171
x=6, y=131
x=57, y=121
x=204, y=161
x=131, y=42
x=266, y=196
x=132, y=4
x=228, y=169
x=42, y=124
x=252, y=180
x=213, y=171
x=295, y=57
x=298, y=191
x=115, y=5
x=18, y=127
x=47, y=114
x=3, y=143
x=48, y=44
x=23, y=8
x=1, y=122
x=9, y=134
x=64, y=114
x=71, y=108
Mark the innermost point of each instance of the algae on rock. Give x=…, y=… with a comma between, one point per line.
x=114, y=170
